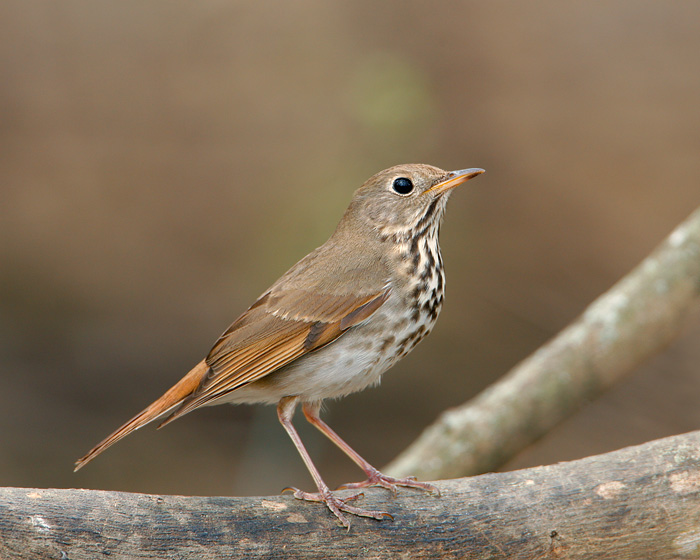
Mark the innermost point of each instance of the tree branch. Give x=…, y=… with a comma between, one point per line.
x=635, y=319
x=639, y=502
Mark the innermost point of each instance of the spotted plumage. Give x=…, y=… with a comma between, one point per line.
x=334, y=322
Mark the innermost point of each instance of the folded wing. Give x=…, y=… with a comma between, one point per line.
x=280, y=327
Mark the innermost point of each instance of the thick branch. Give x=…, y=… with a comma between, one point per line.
x=639, y=316
x=639, y=502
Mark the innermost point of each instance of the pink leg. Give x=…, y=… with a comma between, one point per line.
x=285, y=412
x=374, y=477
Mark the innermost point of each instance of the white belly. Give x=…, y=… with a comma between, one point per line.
x=359, y=357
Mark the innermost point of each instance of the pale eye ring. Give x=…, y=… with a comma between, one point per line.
x=402, y=186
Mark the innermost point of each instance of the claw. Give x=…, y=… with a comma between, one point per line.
x=285, y=411
x=338, y=505
x=352, y=485
x=390, y=483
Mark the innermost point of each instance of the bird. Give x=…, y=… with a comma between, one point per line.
x=332, y=324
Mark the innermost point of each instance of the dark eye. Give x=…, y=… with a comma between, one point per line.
x=402, y=185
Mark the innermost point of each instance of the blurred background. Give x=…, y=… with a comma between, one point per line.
x=162, y=163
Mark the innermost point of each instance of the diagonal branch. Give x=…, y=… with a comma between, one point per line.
x=634, y=320
x=639, y=502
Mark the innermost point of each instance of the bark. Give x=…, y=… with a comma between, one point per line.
x=639, y=502
x=634, y=320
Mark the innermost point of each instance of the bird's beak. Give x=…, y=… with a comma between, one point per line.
x=454, y=178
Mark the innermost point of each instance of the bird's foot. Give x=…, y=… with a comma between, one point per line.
x=338, y=505
x=375, y=478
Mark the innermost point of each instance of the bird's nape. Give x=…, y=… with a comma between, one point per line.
x=333, y=323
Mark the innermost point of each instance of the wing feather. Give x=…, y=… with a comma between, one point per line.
x=273, y=333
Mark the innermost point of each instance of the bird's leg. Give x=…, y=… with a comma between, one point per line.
x=374, y=477
x=285, y=412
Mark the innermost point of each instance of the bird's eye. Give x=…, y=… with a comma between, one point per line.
x=402, y=185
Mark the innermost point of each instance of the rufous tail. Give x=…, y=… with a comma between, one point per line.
x=174, y=396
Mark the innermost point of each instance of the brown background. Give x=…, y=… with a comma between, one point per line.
x=161, y=163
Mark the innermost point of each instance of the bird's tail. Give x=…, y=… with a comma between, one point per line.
x=174, y=396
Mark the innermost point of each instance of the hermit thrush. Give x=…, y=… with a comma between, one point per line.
x=333, y=323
